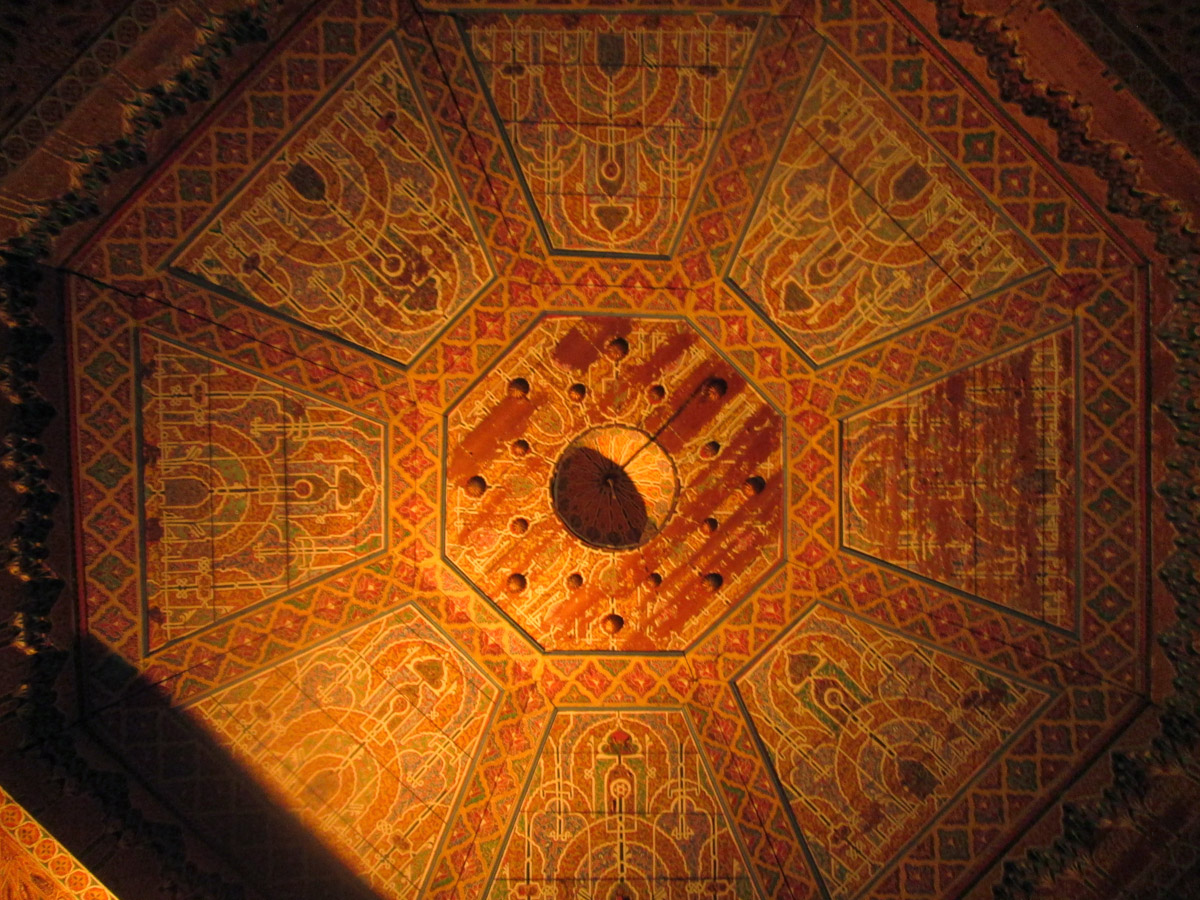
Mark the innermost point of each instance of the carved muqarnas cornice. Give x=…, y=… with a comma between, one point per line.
x=1135, y=775
x=34, y=706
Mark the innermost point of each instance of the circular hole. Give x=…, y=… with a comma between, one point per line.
x=519, y=525
x=604, y=501
x=657, y=393
x=653, y=580
x=714, y=581
x=714, y=388
x=476, y=486
x=617, y=348
x=520, y=447
x=516, y=583
x=518, y=387
x=710, y=524
x=710, y=450
x=577, y=391
x=612, y=623
x=574, y=581
x=753, y=485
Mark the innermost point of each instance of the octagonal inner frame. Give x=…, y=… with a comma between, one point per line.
x=659, y=375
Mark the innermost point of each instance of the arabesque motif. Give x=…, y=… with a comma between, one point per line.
x=370, y=737
x=970, y=480
x=249, y=489
x=872, y=734
x=942, y=180
x=34, y=864
x=612, y=118
x=356, y=226
x=864, y=227
x=621, y=804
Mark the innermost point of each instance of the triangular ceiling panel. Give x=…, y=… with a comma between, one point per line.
x=357, y=225
x=250, y=488
x=369, y=737
x=970, y=481
x=873, y=734
x=865, y=228
x=612, y=118
x=621, y=804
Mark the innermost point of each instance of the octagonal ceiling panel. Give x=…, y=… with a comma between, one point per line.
x=250, y=488
x=970, y=480
x=612, y=118
x=614, y=483
x=368, y=739
x=621, y=804
x=864, y=227
x=356, y=225
x=872, y=734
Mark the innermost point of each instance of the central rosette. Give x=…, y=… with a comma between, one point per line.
x=614, y=487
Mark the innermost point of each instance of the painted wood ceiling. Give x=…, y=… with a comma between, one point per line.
x=611, y=453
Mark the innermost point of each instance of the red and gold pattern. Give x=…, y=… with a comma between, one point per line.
x=367, y=739
x=970, y=481
x=249, y=489
x=621, y=804
x=667, y=388
x=612, y=118
x=864, y=228
x=872, y=734
x=356, y=226
x=909, y=100
x=35, y=866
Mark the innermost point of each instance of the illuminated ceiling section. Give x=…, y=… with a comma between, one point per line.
x=249, y=488
x=614, y=483
x=807, y=561
x=865, y=228
x=33, y=864
x=612, y=118
x=367, y=739
x=621, y=804
x=970, y=480
x=872, y=734
x=357, y=225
